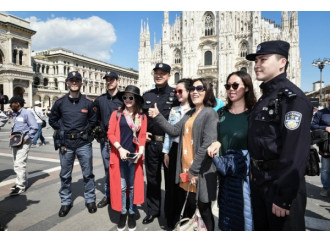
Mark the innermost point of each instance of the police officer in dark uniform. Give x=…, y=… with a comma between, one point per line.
x=164, y=96
x=278, y=142
x=106, y=104
x=73, y=117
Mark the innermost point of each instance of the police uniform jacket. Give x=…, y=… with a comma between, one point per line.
x=165, y=99
x=321, y=119
x=73, y=116
x=105, y=105
x=283, y=139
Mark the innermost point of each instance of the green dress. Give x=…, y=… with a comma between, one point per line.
x=232, y=131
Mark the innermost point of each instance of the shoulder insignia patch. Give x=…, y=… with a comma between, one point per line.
x=292, y=120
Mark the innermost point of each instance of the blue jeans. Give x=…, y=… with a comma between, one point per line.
x=325, y=172
x=85, y=158
x=38, y=135
x=105, y=152
x=127, y=170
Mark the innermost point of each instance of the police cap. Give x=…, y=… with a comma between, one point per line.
x=271, y=47
x=163, y=67
x=111, y=75
x=74, y=74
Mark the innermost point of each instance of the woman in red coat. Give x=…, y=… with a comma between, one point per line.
x=127, y=134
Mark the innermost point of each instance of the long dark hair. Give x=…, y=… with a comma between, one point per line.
x=249, y=97
x=209, y=98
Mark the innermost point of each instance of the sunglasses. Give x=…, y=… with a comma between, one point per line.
x=234, y=86
x=131, y=98
x=178, y=91
x=199, y=88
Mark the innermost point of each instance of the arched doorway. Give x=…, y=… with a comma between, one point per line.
x=19, y=91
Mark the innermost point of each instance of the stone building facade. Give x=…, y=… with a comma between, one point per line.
x=41, y=75
x=16, y=74
x=51, y=68
x=213, y=44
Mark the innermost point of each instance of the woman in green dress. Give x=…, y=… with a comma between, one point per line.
x=233, y=161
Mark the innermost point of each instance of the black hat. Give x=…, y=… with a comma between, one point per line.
x=17, y=99
x=74, y=74
x=134, y=90
x=111, y=75
x=163, y=66
x=271, y=47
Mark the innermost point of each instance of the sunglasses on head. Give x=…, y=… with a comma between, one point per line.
x=234, y=85
x=199, y=88
x=178, y=91
x=131, y=98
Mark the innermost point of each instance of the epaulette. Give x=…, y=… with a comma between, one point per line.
x=88, y=98
x=147, y=91
x=287, y=93
x=61, y=97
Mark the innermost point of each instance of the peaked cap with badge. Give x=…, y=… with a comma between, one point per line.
x=163, y=66
x=271, y=47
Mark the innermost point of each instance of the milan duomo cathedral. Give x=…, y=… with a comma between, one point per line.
x=214, y=44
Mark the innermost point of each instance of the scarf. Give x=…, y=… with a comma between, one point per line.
x=134, y=125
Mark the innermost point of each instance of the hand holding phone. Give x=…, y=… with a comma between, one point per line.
x=132, y=157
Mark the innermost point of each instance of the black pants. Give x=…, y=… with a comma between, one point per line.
x=204, y=208
x=154, y=159
x=265, y=220
x=172, y=211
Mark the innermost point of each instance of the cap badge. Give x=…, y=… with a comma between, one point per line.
x=73, y=73
x=258, y=48
x=160, y=65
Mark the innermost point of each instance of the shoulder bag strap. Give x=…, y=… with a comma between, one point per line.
x=36, y=113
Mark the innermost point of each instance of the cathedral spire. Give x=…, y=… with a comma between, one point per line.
x=166, y=18
x=285, y=19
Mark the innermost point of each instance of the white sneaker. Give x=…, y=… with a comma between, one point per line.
x=325, y=192
x=35, y=146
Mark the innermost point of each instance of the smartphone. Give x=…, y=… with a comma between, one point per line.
x=184, y=177
x=132, y=157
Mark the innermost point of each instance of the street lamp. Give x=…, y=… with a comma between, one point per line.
x=321, y=64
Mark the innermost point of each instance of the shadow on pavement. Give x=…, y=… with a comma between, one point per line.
x=11, y=206
x=4, y=174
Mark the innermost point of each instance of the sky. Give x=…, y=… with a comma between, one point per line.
x=113, y=36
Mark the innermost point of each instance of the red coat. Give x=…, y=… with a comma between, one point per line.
x=114, y=167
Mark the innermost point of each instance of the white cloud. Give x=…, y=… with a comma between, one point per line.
x=91, y=37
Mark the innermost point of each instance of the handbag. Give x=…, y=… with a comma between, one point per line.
x=43, y=121
x=16, y=139
x=195, y=223
x=313, y=163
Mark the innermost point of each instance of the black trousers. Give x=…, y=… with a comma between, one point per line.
x=154, y=158
x=172, y=211
x=265, y=220
x=204, y=208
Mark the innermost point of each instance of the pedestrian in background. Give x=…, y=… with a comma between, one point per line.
x=39, y=116
x=127, y=134
x=279, y=141
x=165, y=98
x=321, y=120
x=170, y=150
x=73, y=117
x=106, y=104
x=24, y=122
x=197, y=132
x=234, y=184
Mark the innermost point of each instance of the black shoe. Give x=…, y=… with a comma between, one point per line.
x=131, y=222
x=122, y=222
x=149, y=218
x=65, y=209
x=16, y=191
x=91, y=207
x=104, y=202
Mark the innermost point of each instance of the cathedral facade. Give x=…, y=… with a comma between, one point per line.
x=213, y=44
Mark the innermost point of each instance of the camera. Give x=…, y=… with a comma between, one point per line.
x=132, y=157
x=4, y=99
